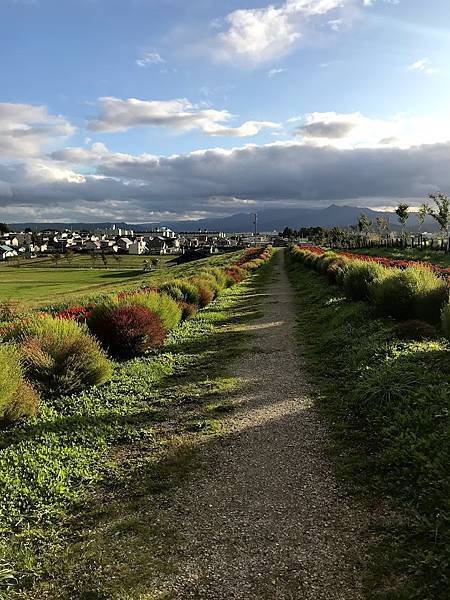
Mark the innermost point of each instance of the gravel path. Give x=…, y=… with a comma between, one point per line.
x=265, y=518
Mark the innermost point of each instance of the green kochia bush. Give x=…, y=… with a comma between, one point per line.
x=17, y=398
x=412, y=293
x=162, y=305
x=59, y=356
x=359, y=276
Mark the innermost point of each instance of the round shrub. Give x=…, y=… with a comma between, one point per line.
x=205, y=292
x=189, y=291
x=188, y=310
x=336, y=270
x=127, y=331
x=445, y=320
x=162, y=305
x=236, y=273
x=358, y=277
x=17, y=398
x=59, y=356
x=219, y=276
x=24, y=403
x=415, y=330
x=325, y=261
x=412, y=293
x=172, y=290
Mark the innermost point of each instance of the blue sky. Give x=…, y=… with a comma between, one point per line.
x=108, y=106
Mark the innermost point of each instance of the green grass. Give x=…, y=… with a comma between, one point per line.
x=387, y=403
x=84, y=261
x=37, y=286
x=436, y=257
x=80, y=484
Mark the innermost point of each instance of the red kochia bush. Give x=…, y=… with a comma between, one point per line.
x=80, y=314
x=127, y=331
x=188, y=310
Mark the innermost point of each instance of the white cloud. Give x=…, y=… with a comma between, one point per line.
x=335, y=24
x=422, y=66
x=263, y=34
x=147, y=59
x=355, y=130
x=274, y=72
x=26, y=129
x=117, y=114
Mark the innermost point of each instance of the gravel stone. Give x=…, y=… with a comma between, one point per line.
x=265, y=518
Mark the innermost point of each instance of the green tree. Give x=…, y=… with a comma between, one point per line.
x=442, y=215
x=422, y=212
x=287, y=232
x=382, y=226
x=402, y=212
x=4, y=228
x=364, y=224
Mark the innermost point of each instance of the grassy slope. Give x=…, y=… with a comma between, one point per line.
x=436, y=257
x=388, y=403
x=80, y=479
x=82, y=261
x=40, y=286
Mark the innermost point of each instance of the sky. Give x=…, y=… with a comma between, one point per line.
x=154, y=110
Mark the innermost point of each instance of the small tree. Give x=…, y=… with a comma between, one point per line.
x=154, y=261
x=402, y=212
x=4, y=228
x=442, y=215
x=104, y=260
x=287, y=232
x=364, y=224
x=422, y=212
x=382, y=226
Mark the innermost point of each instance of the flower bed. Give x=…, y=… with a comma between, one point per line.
x=400, y=289
x=385, y=262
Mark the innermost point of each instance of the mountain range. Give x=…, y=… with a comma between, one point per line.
x=271, y=219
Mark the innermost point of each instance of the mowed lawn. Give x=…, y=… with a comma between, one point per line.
x=40, y=286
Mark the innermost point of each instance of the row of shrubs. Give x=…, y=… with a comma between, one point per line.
x=416, y=292
x=70, y=350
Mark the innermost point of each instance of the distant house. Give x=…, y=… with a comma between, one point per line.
x=137, y=247
x=123, y=244
x=157, y=245
x=7, y=252
x=90, y=246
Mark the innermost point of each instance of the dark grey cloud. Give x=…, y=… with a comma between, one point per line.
x=321, y=129
x=222, y=182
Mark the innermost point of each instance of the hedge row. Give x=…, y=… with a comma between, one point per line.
x=415, y=292
x=69, y=351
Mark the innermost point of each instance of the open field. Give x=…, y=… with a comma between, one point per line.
x=84, y=261
x=436, y=257
x=38, y=286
